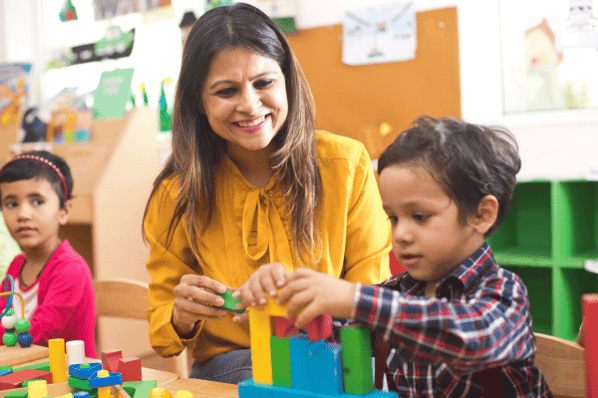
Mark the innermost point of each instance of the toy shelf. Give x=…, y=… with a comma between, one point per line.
x=551, y=230
x=113, y=176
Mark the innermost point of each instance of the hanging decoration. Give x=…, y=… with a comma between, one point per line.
x=68, y=12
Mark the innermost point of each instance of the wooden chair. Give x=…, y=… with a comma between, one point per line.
x=127, y=298
x=563, y=364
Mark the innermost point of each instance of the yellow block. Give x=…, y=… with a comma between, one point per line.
x=159, y=392
x=57, y=360
x=104, y=392
x=276, y=309
x=37, y=389
x=183, y=394
x=260, y=330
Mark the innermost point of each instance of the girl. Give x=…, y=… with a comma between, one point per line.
x=54, y=280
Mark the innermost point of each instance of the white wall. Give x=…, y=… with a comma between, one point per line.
x=553, y=145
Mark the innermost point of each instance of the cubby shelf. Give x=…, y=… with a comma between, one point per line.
x=551, y=230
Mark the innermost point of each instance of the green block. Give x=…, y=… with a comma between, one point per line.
x=139, y=389
x=26, y=382
x=356, y=357
x=16, y=394
x=79, y=384
x=230, y=302
x=281, y=361
x=44, y=366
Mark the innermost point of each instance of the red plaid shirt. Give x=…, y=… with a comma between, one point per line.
x=478, y=320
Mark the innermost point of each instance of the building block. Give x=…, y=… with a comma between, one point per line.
x=81, y=394
x=110, y=359
x=230, y=302
x=16, y=394
x=139, y=389
x=316, y=366
x=356, y=345
x=319, y=328
x=4, y=370
x=25, y=384
x=281, y=361
x=80, y=384
x=84, y=370
x=129, y=368
x=251, y=389
x=274, y=309
x=260, y=330
x=45, y=366
x=183, y=394
x=57, y=360
x=284, y=327
x=15, y=379
x=104, y=378
x=119, y=392
x=104, y=392
x=37, y=389
x=160, y=392
x=75, y=352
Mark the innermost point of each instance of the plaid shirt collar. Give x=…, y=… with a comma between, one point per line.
x=453, y=285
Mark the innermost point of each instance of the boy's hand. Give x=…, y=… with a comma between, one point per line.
x=262, y=283
x=309, y=293
x=195, y=300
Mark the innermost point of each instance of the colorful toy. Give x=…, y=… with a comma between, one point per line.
x=165, y=117
x=16, y=330
x=230, y=302
x=286, y=366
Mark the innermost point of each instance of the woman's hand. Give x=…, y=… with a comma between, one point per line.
x=262, y=283
x=309, y=293
x=195, y=300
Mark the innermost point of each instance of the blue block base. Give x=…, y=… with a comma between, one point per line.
x=251, y=389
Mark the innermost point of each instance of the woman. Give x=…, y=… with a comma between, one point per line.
x=250, y=182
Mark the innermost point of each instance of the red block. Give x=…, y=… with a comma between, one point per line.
x=284, y=327
x=130, y=368
x=14, y=380
x=319, y=328
x=110, y=359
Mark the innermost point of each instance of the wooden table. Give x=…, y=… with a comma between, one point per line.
x=203, y=388
x=18, y=357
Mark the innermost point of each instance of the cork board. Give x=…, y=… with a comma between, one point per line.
x=356, y=100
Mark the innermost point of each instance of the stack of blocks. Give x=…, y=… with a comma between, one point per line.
x=114, y=377
x=290, y=364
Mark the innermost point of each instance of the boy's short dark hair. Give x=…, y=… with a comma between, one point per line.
x=18, y=169
x=468, y=161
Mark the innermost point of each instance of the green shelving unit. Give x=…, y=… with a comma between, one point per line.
x=551, y=230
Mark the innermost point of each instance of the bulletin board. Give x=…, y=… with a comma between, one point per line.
x=356, y=100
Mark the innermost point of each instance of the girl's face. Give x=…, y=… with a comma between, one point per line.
x=245, y=100
x=33, y=216
x=427, y=236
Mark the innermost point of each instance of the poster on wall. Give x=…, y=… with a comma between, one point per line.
x=543, y=70
x=105, y=9
x=377, y=34
x=14, y=91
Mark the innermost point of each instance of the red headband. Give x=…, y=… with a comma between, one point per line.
x=46, y=161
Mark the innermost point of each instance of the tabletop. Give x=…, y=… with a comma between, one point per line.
x=203, y=388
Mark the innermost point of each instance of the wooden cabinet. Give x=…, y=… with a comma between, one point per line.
x=113, y=176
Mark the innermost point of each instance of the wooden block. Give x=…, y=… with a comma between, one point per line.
x=284, y=327
x=260, y=330
x=110, y=359
x=10, y=356
x=15, y=379
x=130, y=368
x=37, y=389
x=57, y=360
x=281, y=361
x=319, y=328
x=356, y=356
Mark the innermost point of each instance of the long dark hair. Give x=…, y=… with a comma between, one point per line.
x=197, y=150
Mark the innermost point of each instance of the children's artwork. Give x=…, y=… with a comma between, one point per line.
x=112, y=94
x=105, y=9
x=14, y=91
x=68, y=12
x=217, y=3
x=377, y=34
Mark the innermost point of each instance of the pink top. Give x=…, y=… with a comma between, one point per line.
x=66, y=300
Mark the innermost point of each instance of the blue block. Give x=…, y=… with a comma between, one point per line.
x=5, y=371
x=112, y=380
x=251, y=389
x=81, y=394
x=316, y=366
x=84, y=371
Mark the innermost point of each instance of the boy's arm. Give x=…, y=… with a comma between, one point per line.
x=491, y=329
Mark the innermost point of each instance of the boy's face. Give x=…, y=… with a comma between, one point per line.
x=32, y=213
x=427, y=236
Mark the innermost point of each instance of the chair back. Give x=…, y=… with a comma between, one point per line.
x=128, y=298
x=563, y=364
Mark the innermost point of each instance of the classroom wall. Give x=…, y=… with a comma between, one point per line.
x=553, y=145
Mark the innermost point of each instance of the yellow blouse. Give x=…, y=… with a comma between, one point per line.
x=249, y=229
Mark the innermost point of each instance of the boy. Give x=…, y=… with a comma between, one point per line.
x=54, y=280
x=458, y=324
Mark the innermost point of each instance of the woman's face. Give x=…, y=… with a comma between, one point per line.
x=245, y=100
